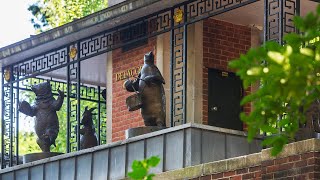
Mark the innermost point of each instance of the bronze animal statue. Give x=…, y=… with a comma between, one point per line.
x=88, y=138
x=311, y=128
x=44, y=109
x=149, y=84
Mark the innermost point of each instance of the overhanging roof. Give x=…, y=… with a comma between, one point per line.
x=81, y=28
x=115, y=16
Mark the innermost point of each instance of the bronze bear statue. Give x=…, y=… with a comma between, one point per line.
x=149, y=84
x=88, y=138
x=44, y=109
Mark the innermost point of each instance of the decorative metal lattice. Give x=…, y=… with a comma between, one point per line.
x=201, y=9
x=9, y=135
x=279, y=18
x=178, y=69
x=73, y=108
x=70, y=55
x=102, y=124
x=40, y=64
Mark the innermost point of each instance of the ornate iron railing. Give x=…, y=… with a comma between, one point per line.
x=174, y=20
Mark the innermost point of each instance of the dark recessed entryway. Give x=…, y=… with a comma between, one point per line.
x=224, y=95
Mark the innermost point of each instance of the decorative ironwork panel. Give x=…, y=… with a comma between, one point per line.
x=279, y=18
x=89, y=92
x=6, y=126
x=126, y=34
x=26, y=84
x=73, y=125
x=41, y=63
x=178, y=67
x=102, y=125
x=15, y=142
x=202, y=9
x=9, y=135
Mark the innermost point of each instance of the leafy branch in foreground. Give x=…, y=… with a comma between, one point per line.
x=141, y=168
x=289, y=76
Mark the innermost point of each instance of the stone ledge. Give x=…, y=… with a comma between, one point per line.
x=241, y=162
x=309, y=145
x=252, y=160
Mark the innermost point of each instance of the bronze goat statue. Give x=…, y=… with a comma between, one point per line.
x=88, y=138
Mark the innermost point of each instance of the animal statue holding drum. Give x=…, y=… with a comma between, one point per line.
x=150, y=96
x=44, y=109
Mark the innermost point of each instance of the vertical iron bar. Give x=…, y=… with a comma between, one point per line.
x=17, y=122
x=11, y=124
x=99, y=118
x=297, y=11
x=185, y=41
x=68, y=101
x=281, y=22
x=78, y=97
x=265, y=27
x=2, y=121
x=171, y=69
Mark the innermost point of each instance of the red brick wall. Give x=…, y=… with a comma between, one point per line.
x=297, y=167
x=222, y=42
x=122, y=119
x=303, y=166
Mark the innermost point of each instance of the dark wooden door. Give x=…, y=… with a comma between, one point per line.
x=224, y=95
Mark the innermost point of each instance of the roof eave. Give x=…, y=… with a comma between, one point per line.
x=98, y=22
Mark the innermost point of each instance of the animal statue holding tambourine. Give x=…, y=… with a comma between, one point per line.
x=149, y=93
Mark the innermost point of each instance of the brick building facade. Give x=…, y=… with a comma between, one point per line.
x=221, y=42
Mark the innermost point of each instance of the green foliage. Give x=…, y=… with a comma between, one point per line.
x=28, y=143
x=140, y=169
x=54, y=13
x=289, y=78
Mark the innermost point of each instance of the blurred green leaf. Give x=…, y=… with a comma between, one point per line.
x=141, y=168
x=289, y=78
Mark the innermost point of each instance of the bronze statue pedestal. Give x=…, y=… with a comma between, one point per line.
x=37, y=156
x=132, y=132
